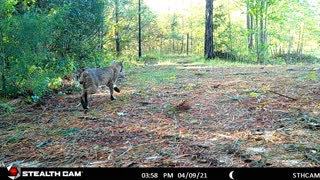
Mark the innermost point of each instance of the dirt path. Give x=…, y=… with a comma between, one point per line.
x=253, y=116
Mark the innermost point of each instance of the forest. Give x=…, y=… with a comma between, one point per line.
x=204, y=83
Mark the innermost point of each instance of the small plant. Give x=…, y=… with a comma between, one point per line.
x=235, y=97
x=7, y=108
x=253, y=94
x=55, y=83
x=312, y=76
x=35, y=98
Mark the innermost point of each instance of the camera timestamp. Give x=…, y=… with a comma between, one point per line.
x=192, y=175
x=151, y=175
x=174, y=175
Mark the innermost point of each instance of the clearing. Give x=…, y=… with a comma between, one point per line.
x=178, y=114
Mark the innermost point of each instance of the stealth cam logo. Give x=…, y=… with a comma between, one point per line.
x=14, y=172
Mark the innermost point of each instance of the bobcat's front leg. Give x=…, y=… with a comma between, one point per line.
x=84, y=99
x=111, y=87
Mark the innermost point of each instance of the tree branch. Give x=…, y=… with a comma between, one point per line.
x=282, y=95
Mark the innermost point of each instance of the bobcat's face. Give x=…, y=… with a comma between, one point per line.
x=76, y=76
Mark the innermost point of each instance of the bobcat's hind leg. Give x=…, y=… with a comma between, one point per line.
x=116, y=88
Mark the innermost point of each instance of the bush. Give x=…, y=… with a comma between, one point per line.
x=294, y=58
x=41, y=45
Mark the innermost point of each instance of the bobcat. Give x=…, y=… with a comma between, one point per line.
x=92, y=78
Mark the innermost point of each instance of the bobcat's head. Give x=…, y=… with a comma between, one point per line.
x=119, y=64
x=77, y=75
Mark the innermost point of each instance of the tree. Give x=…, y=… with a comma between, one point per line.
x=208, y=44
x=249, y=26
x=117, y=35
x=140, y=51
x=257, y=17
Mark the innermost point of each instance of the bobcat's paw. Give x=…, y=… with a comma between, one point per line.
x=113, y=98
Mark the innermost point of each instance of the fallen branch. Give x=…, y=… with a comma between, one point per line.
x=294, y=99
x=144, y=103
x=130, y=147
x=248, y=73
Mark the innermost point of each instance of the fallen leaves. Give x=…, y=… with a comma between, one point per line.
x=184, y=106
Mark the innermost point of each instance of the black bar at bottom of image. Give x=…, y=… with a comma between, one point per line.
x=160, y=173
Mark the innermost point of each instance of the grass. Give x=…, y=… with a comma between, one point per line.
x=154, y=77
x=65, y=132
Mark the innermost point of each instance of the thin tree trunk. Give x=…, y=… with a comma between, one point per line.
x=298, y=44
x=161, y=42
x=140, y=50
x=4, y=77
x=261, y=48
x=257, y=37
x=173, y=47
x=230, y=47
x=289, y=50
x=265, y=23
x=182, y=45
x=252, y=27
x=249, y=27
x=117, y=34
x=191, y=43
x=300, y=41
x=301, y=44
x=208, y=45
x=263, y=40
x=187, y=44
x=272, y=51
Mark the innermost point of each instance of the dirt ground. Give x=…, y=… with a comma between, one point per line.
x=175, y=115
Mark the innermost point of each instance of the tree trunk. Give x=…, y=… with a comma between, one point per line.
x=261, y=48
x=173, y=47
x=3, y=57
x=117, y=34
x=187, y=44
x=249, y=27
x=300, y=42
x=265, y=37
x=288, y=59
x=182, y=45
x=101, y=30
x=208, y=45
x=161, y=41
x=191, y=43
x=257, y=37
x=4, y=77
x=140, y=50
x=230, y=38
x=263, y=19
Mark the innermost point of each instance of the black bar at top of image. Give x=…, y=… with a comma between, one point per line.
x=166, y=173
